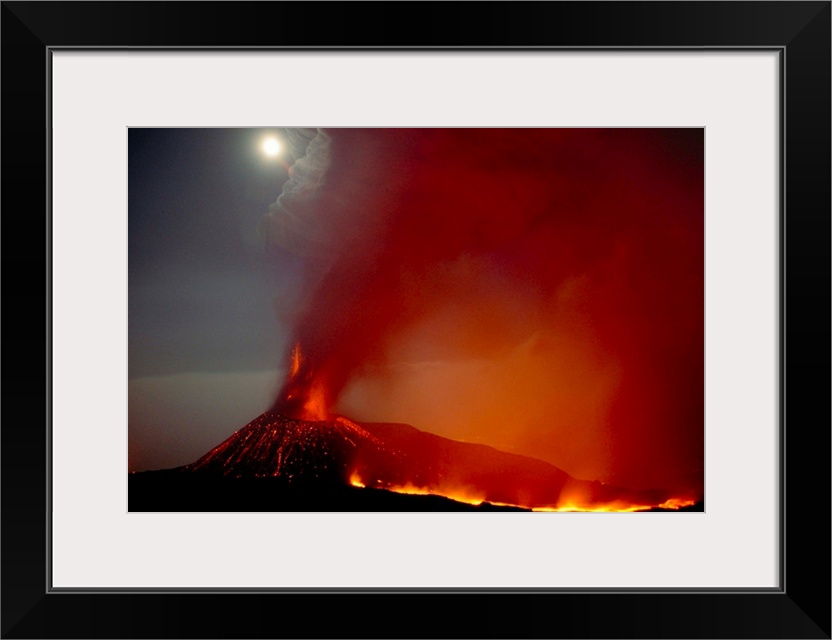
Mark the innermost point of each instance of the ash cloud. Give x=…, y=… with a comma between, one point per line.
x=568, y=263
x=290, y=224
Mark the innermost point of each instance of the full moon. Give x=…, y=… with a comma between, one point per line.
x=271, y=147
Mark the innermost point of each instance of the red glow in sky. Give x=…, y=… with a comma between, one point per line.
x=539, y=290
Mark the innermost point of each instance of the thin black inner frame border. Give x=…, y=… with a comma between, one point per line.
x=781, y=242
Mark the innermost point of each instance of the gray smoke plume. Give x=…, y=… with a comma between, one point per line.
x=291, y=223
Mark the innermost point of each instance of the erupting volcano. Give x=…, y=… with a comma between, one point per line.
x=401, y=459
x=530, y=300
x=302, y=396
x=301, y=443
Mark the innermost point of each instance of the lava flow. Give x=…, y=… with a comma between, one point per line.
x=402, y=459
x=300, y=440
x=473, y=497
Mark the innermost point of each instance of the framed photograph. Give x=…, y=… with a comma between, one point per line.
x=525, y=307
x=519, y=294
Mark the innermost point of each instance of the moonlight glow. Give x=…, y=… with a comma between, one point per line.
x=272, y=147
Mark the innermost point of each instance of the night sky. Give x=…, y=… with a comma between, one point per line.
x=538, y=290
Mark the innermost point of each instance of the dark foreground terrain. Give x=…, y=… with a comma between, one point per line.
x=280, y=463
x=177, y=490
x=180, y=490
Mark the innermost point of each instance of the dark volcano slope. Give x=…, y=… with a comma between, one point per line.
x=487, y=473
x=277, y=463
x=273, y=445
x=178, y=490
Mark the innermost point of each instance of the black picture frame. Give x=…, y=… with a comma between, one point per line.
x=799, y=31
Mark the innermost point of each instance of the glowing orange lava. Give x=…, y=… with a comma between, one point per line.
x=475, y=498
x=308, y=400
x=677, y=503
x=316, y=407
x=355, y=480
x=295, y=367
x=460, y=495
x=615, y=507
